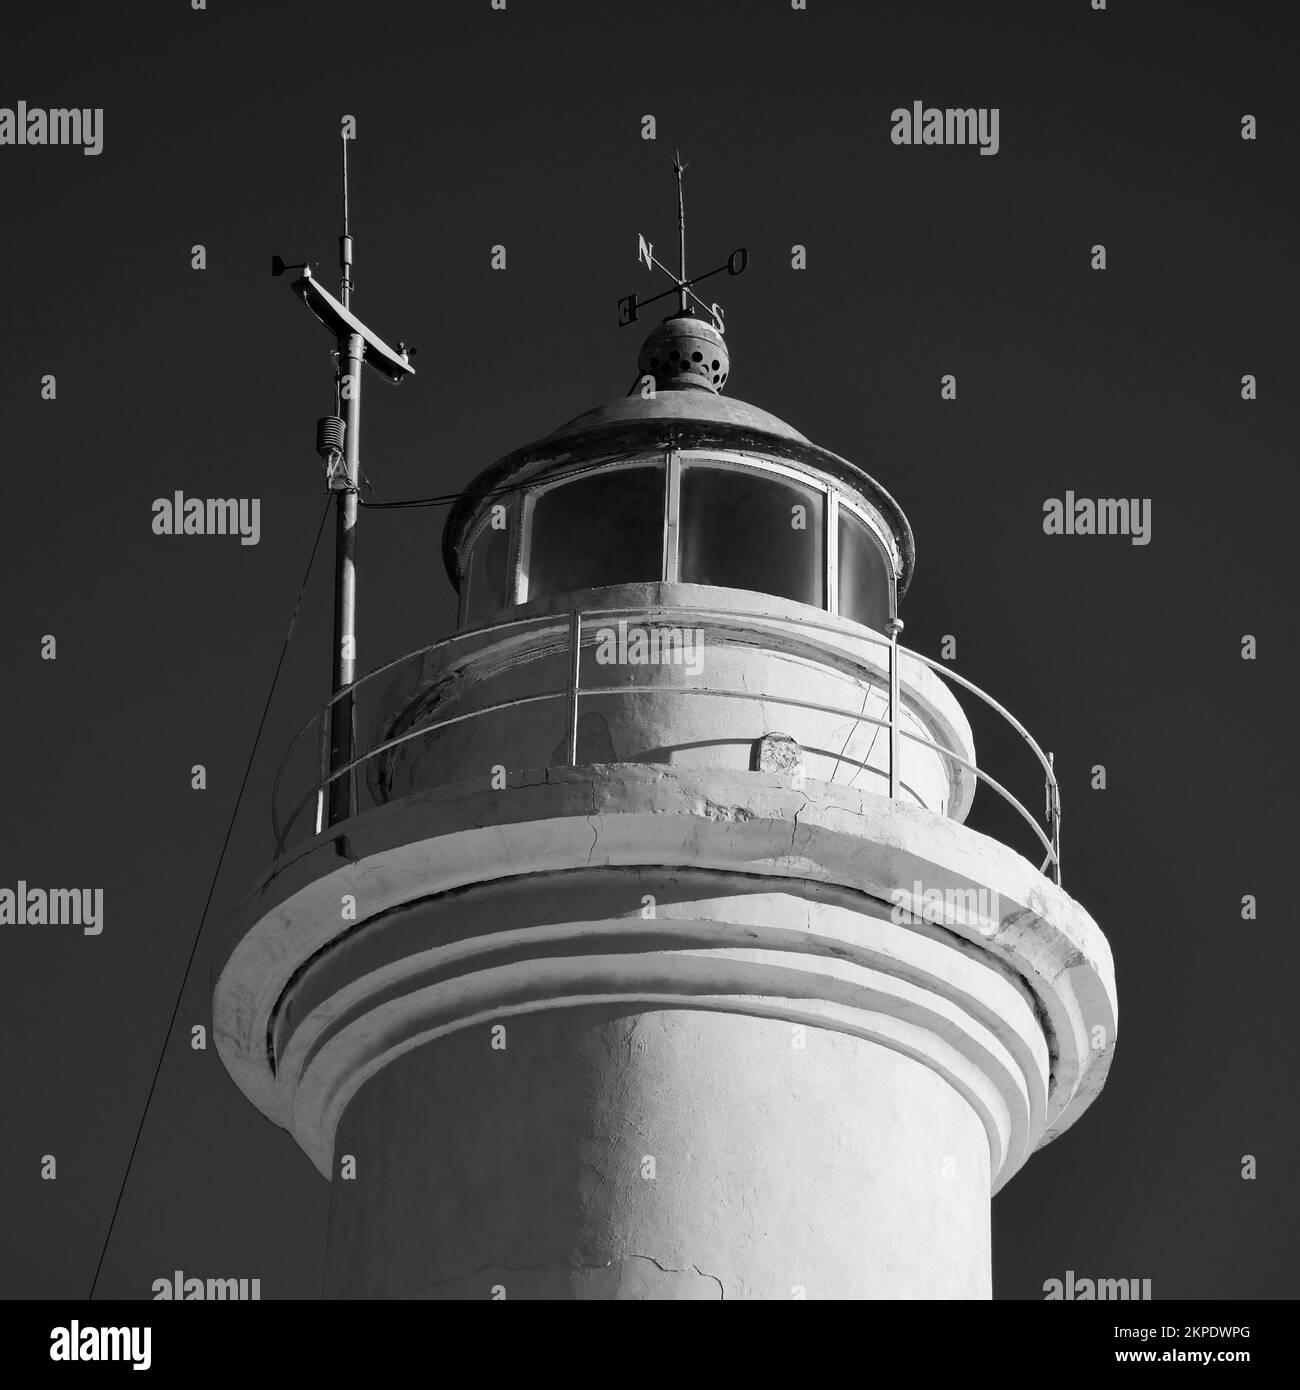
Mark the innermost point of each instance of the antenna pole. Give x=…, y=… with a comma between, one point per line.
x=338, y=442
x=345, y=241
x=681, y=230
x=351, y=349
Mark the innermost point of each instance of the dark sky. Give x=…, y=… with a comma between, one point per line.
x=523, y=128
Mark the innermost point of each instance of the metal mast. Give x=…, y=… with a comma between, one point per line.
x=338, y=441
x=351, y=349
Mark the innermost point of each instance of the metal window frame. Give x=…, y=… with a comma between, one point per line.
x=833, y=551
x=530, y=494
x=891, y=561
x=522, y=547
x=523, y=502
x=672, y=518
x=742, y=463
x=510, y=501
x=809, y=478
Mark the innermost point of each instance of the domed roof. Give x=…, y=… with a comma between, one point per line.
x=688, y=360
x=690, y=404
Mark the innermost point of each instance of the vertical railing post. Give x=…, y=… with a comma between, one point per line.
x=322, y=769
x=356, y=773
x=575, y=671
x=893, y=628
x=1054, y=816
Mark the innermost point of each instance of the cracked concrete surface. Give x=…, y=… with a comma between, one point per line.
x=618, y=1278
x=625, y=1152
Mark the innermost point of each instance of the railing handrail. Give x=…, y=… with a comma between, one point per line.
x=573, y=619
x=348, y=691
x=997, y=708
x=423, y=729
x=621, y=691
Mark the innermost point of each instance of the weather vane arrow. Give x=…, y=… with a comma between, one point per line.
x=734, y=265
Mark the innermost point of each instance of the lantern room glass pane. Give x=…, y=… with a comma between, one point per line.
x=606, y=528
x=489, y=579
x=750, y=530
x=865, y=573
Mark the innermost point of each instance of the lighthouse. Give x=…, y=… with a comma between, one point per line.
x=638, y=947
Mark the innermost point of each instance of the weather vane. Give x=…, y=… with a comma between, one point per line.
x=735, y=264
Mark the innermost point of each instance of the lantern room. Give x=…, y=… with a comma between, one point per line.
x=677, y=484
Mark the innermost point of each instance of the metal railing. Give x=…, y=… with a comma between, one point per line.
x=572, y=692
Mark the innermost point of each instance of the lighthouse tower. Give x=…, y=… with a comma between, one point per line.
x=652, y=957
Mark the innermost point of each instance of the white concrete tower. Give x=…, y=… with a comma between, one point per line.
x=655, y=959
